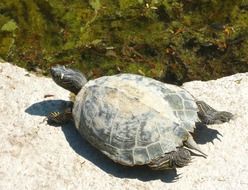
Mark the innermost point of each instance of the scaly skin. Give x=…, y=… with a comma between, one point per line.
x=73, y=81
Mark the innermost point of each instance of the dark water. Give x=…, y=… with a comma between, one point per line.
x=173, y=41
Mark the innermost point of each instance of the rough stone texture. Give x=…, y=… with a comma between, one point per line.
x=36, y=155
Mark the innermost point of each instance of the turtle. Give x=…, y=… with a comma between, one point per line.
x=133, y=119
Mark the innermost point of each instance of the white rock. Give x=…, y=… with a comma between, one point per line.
x=35, y=155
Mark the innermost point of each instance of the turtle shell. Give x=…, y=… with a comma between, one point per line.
x=133, y=119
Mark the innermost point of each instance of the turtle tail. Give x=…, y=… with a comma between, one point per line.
x=190, y=143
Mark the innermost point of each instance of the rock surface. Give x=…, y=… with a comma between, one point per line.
x=36, y=155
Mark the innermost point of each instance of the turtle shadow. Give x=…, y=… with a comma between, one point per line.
x=45, y=107
x=202, y=134
x=84, y=149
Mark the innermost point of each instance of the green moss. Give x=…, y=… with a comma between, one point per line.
x=5, y=47
x=10, y=26
x=95, y=4
x=171, y=40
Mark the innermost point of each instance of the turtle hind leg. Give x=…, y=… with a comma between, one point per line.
x=179, y=158
x=60, y=117
x=209, y=115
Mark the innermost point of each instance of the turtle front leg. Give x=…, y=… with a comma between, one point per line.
x=61, y=117
x=209, y=115
x=179, y=158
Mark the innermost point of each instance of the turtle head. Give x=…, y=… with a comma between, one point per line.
x=69, y=79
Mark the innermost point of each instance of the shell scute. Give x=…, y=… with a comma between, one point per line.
x=133, y=119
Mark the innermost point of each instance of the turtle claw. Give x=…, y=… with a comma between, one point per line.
x=60, y=117
x=54, y=117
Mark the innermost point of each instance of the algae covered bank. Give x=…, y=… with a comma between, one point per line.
x=170, y=40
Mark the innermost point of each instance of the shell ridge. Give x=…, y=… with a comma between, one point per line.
x=124, y=101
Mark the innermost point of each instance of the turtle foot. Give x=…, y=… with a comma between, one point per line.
x=209, y=115
x=179, y=158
